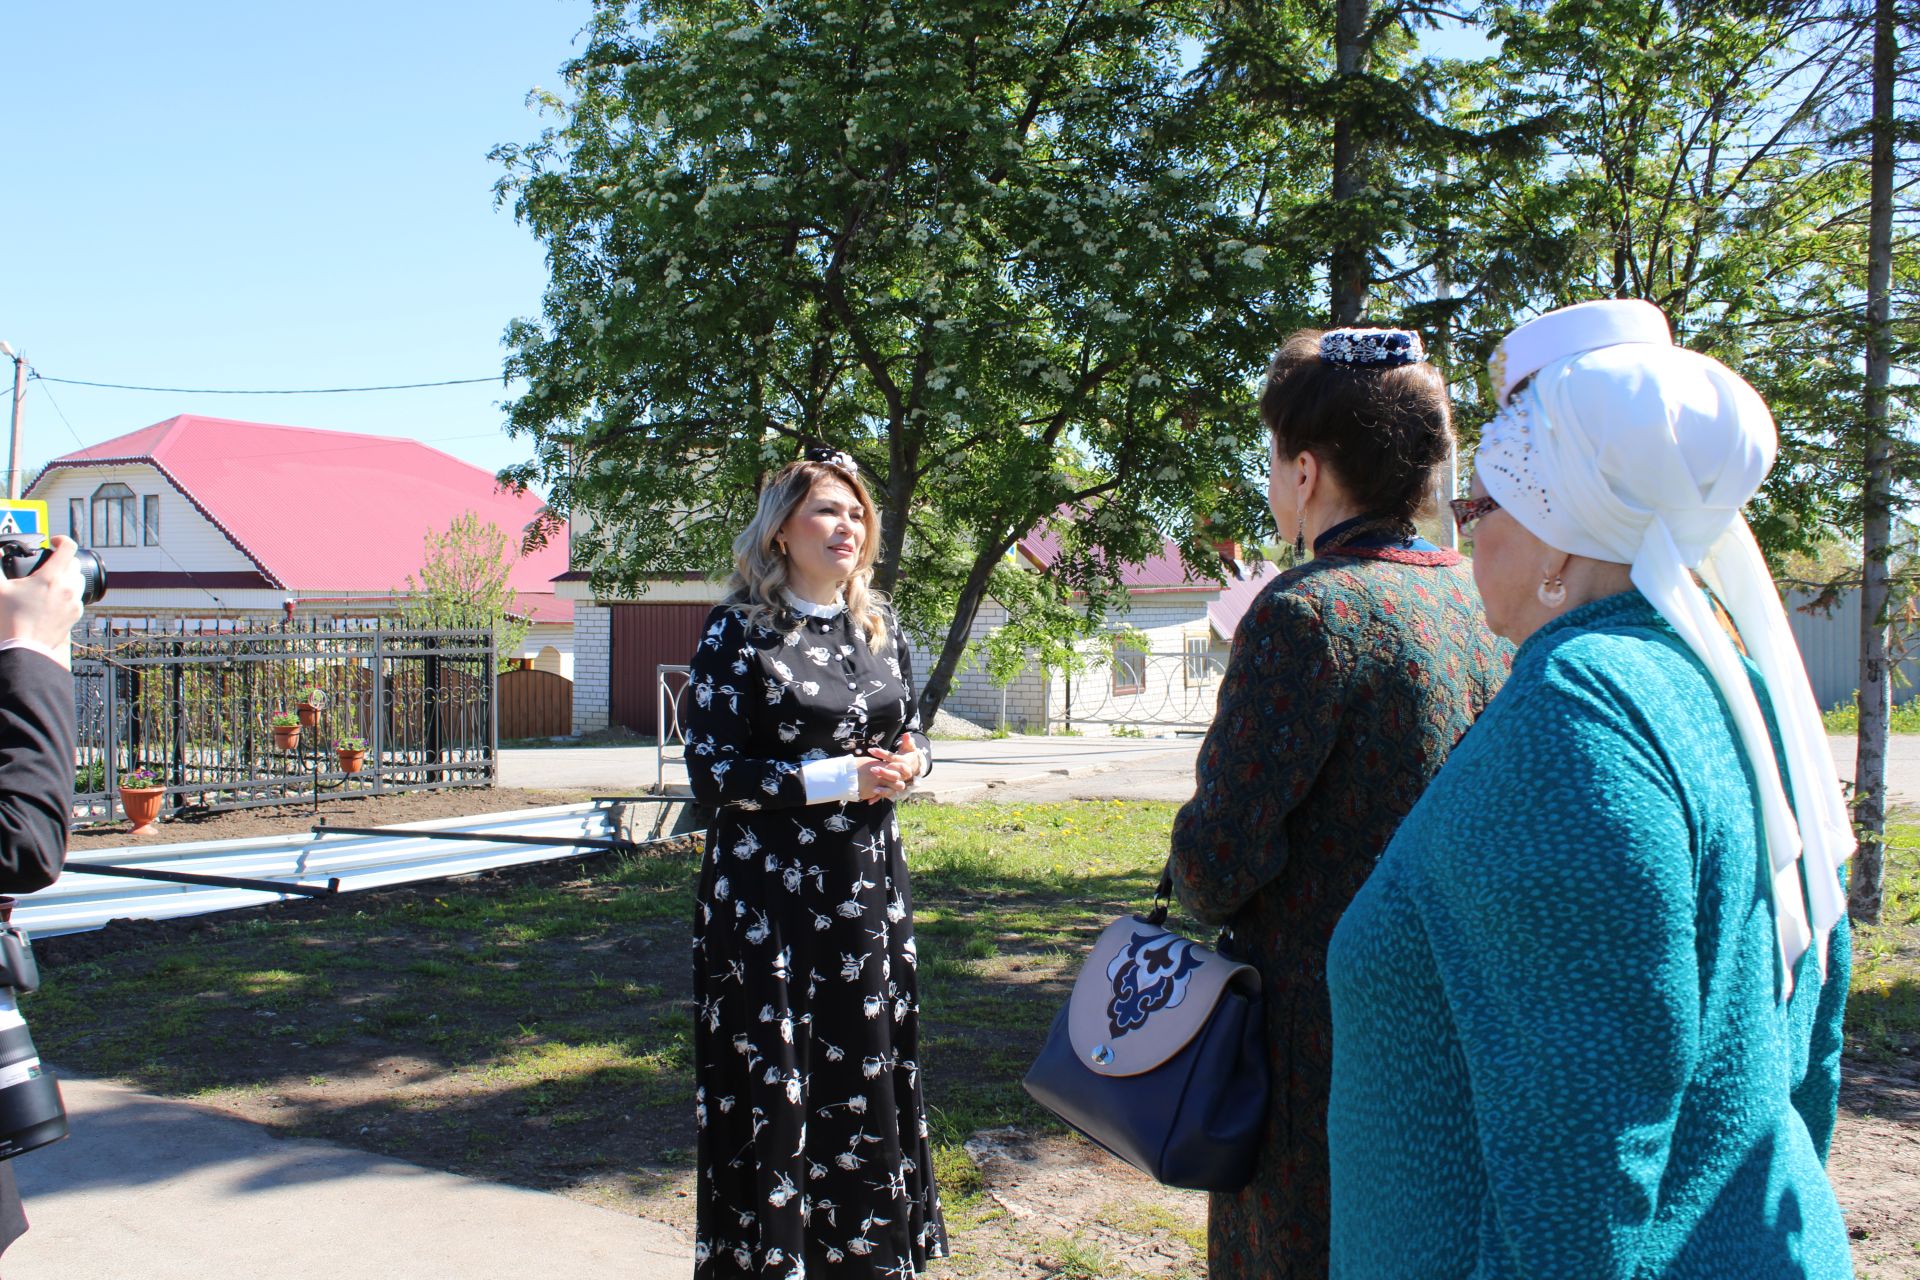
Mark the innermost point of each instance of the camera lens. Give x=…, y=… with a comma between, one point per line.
x=17, y=561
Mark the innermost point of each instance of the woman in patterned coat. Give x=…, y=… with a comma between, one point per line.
x=813, y=1155
x=1351, y=678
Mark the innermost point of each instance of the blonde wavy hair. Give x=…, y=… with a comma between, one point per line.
x=760, y=570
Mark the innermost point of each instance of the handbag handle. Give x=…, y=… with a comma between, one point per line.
x=1162, y=897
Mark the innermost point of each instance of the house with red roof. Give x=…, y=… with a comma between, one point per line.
x=1186, y=622
x=1158, y=669
x=210, y=518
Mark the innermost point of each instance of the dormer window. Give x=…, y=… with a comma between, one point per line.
x=116, y=518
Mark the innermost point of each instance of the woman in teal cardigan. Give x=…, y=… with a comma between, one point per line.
x=1587, y=1010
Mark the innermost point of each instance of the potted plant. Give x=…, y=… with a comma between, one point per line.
x=286, y=731
x=352, y=752
x=312, y=698
x=141, y=791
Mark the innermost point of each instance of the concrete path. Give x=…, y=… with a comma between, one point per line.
x=963, y=770
x=153, y=1189
x=1903, y=764
x=1037, y=768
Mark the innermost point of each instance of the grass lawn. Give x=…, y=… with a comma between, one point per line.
x=535, y=1028
x=1883, y=1008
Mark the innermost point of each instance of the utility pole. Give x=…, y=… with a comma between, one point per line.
x=19, y=394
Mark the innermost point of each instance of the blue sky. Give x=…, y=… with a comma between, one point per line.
x=249, y=194
x=227, y=194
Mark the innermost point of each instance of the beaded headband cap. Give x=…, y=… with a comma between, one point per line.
x=838, y=459
x=1372, y=348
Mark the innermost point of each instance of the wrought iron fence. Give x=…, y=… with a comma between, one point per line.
x=197, y=702
x=1145, y=690
x=672, y=683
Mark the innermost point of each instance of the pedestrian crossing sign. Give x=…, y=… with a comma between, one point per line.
x=23, y=521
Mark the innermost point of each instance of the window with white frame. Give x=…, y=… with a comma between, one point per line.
x=1129, y=666
x=1199, y=655
x=150, y=520
x=77, y=519
x=115, y=517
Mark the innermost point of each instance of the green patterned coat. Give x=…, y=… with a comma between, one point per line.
x=1351, y=679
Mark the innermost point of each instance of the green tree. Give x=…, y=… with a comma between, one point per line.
x=464, y=583
x=993, y=248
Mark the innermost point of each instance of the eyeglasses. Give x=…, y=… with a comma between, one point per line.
x=1467, y=510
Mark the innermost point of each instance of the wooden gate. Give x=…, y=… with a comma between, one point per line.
x=644, y=636
x=535, y=704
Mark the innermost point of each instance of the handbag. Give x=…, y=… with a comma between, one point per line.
x=1160, y=1055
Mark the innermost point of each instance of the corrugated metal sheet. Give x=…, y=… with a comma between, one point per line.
x=1830, y=646
x=78, y=901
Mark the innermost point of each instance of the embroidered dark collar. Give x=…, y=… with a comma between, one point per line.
x=1370, y=537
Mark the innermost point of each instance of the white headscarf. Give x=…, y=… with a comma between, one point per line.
x=1642, y=453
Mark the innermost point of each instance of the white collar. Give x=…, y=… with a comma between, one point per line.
x=809, y=609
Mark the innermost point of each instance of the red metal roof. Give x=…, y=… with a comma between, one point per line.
x=1238, y=596
x=1162, y=571
x=322, y=511
x=1165, y=571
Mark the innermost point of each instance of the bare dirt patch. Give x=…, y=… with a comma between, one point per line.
x=1875, y=1167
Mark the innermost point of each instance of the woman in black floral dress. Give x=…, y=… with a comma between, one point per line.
x=813, y=1155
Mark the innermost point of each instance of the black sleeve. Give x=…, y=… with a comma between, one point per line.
x=721, y=764
x=903, y=655
x=36, y=769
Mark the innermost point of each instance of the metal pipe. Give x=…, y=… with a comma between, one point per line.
x=224, y=882
x=610, y=843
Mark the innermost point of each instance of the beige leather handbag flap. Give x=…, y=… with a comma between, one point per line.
x=1144, y=994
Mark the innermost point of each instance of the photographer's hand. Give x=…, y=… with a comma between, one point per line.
x=40, y=610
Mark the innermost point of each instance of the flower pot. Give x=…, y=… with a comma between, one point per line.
x=286, y=737
x=143, y=807
x=309, y=715
x=350, y=761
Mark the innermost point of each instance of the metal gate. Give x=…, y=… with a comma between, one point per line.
x=645, y=637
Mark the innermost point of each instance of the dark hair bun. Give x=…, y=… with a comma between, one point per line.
x=1382, y=429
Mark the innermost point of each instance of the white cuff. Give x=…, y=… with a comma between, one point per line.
x=834, y=779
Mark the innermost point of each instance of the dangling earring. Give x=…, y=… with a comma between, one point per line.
x=1300, y=538
x=1552, y=592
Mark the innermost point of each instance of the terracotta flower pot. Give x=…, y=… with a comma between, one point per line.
x=309, y=715
x=286, y=737
x=350, y=761
x=143, y=807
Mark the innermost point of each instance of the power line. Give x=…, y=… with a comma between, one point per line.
x=37, y=376
x=161, y=547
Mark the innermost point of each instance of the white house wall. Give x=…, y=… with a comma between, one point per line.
x=1034, y=702
x=189, y=542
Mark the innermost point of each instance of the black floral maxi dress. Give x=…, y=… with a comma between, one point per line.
x=813, y=1154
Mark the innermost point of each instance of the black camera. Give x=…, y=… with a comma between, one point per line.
x=18, y=559
x=31, y=1112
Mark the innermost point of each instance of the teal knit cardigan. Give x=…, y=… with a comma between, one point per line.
x=1557, y=1047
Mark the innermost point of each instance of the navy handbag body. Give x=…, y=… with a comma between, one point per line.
x=1159, y=1057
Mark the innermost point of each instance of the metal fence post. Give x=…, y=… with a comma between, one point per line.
x=492, y=687
x=176, y=696
x=110, y=727
x=379, y=716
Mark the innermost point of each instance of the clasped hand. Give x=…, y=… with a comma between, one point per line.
x=890, y=773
